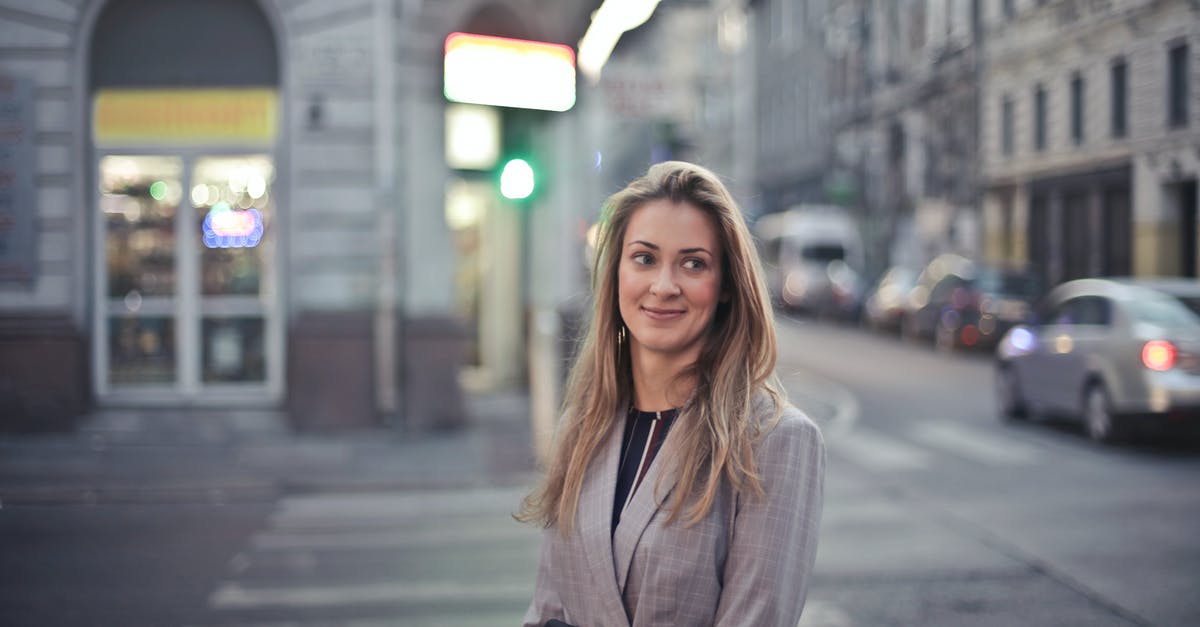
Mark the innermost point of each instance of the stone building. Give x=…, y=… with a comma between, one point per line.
x=872, y=105
x=791, y=133
x=242, y=204
x=903, y=92
x=1091, y=136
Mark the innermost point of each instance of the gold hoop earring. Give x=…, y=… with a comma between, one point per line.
x=620, y=335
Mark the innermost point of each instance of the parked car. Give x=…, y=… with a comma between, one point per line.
x=813, y=258
x=1185, y=290
x=1118, y=354
x=883, y=309
x=961, y=303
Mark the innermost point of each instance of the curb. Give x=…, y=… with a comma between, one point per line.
x=831, y=405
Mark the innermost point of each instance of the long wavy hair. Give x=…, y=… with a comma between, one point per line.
x=736, y=363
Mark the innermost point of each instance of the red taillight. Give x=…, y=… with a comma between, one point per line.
x=1158, y=355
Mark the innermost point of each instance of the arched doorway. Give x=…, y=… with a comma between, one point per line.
x=184, y=113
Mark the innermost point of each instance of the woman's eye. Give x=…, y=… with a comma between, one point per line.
x=643, y=258
x=694, y=264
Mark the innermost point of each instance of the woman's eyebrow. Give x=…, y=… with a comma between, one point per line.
x=682, y=251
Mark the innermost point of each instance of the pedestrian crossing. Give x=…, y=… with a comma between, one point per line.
x=456, y=557
x=414, y=558
x=923, y=445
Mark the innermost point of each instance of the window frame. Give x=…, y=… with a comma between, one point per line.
x=1007, y=109
x=1119, y=98
x=1040, y=105
x=1078, y=109
x=1178, y=84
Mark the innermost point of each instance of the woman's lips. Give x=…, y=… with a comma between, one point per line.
x=662, y=314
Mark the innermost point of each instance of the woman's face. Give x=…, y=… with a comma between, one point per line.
x=669, y=278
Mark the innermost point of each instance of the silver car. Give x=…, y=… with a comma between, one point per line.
x=1117, y=353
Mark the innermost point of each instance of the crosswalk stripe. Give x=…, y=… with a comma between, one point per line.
x=231, y=596
x=867, y=447
x=280, y=566
x=913, y=449
x=973, y=444
x=819, y=613
x=362, y=507
x=410, y=538
x=485, y=618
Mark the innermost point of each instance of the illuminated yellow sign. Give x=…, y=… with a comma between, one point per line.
x=123, y=117
x=509, y=72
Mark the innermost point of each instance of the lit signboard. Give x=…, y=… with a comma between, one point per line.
x=509, y=72
x=123, y=117
x=472, y=137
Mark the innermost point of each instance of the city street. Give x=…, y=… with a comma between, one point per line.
x=937, y=513
x=289, y=288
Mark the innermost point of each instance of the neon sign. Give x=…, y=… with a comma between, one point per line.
x=225, y=227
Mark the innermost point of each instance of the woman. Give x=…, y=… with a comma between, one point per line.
x=683, y=489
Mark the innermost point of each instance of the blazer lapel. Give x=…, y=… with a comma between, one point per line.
x=647, y=500
x=595, y=521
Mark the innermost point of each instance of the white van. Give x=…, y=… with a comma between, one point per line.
x=813, y=258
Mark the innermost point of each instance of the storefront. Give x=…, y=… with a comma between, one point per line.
x=185, y=209
x=241, y=204
x=1080, y=225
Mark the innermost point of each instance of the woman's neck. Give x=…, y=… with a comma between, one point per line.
x=656, y=382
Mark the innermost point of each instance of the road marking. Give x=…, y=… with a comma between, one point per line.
x=279, y=568
x=818, y=613
x=419, y=505
x=871, y=449
x=973, y=444
x=410, y=538
x=230, y=596
x=805, y=387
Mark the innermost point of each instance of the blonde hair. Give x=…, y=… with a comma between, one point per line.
x=736, y=363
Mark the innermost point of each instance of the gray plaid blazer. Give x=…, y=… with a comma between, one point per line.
x=746, y=563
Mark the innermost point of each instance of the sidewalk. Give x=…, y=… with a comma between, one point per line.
x=148, y=456
x=237, y=456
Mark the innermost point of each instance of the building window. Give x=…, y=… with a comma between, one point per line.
x=1077, y=111
x=1006, y=126
x=1120, y=89
x=1177, y=86
x=1039, y=118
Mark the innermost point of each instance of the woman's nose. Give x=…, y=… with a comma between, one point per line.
x=664, y=283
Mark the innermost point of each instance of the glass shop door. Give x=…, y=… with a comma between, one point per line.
x=187, y=305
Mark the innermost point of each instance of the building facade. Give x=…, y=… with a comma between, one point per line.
x=1091, y=136
x=905, y=117
x=873, y=105
x=242, y=204
x=791, y=113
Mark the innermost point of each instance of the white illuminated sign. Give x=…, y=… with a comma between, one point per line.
x=509, y=72
x=472, y=137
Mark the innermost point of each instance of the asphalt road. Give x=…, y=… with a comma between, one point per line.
x=939, y=513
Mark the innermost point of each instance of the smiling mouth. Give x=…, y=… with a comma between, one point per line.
x=662, y=314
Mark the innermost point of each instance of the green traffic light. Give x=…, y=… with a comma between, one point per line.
x=158, y=190
x=516, y=180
